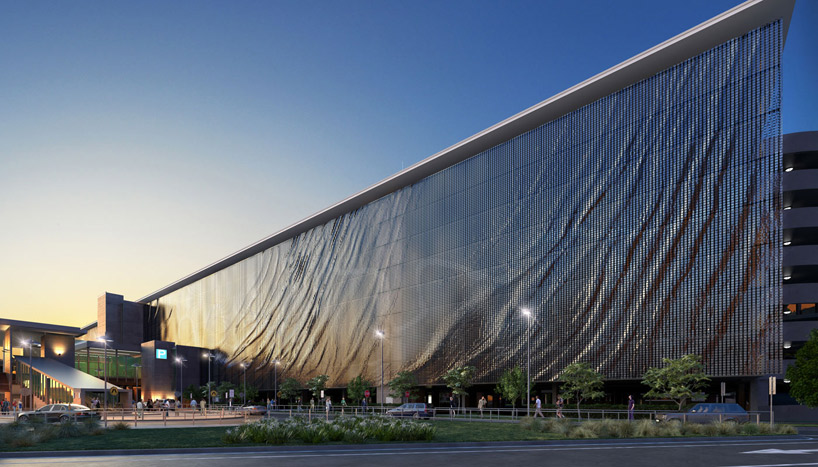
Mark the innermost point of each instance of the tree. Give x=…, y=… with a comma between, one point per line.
x=512, y=385
x=356, y=389
x=290, y=389
x=803, y=375
x=251, y=391
x=679, y=380
x=404, y=381
x=317, y=384
x=581, y=382
x=207, y=387
x=195, y=390
x=224, y=389
x=459, y=379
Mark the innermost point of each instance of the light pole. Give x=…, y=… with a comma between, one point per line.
x=31, y=344
x=275, y=382
x=181, y=362
x=244, y=389
x=381, y=336
x=209, y=356
x=527, y=314
x=105, y=341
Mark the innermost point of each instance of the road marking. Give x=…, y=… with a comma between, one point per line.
x=772, y=465
x=782, y=451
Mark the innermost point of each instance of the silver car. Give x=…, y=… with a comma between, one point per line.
x=59, y=413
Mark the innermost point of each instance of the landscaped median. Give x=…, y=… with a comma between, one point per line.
x=71, y=436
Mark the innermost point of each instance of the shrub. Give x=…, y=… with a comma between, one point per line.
x=750, y=429
x=120, y=426
x=645, y=429
x=582, y=431
x=786, y=430
x=69, y=429
x=354, y=436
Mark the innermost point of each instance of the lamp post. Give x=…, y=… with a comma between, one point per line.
x=209, y=356
x=105, y=341
x=244, y=389
x=31, y=344
x=381, y=336
x=181, y=362
x=527, y=314
x=275, y=381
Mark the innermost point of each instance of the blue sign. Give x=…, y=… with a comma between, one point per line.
x=161, y=354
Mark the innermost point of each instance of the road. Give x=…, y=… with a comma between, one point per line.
x=783, y=452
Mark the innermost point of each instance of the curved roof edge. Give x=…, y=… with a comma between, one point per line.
x=717, y=30
x=802, y=141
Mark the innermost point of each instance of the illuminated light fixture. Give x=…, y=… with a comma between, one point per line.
x=788, y=169
x=787, y=311
x=787, y=344
x=787, y=208
x=786, y=381
x=787, y=243
x=786, y=278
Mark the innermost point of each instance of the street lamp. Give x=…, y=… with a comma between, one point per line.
x=30, y=344
x=209, y=356
x=244, y=389
x=275, y=381
x=105, y=341
x=381, y=336
x=527, y=314
x=181, y=362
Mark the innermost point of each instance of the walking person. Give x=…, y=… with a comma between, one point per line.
x=343, y=404
x=560, y=403
x=481, y=404
x=328, y=406
x=193, y=404
x=452, y=406
x=631, y=406
x=312, y=404
x=538, y=407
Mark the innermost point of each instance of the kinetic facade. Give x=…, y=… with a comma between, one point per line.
x=642, y=224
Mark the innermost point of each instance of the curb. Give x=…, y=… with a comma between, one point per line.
x=364, y=447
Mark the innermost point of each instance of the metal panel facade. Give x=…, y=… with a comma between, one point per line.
x=641, y=226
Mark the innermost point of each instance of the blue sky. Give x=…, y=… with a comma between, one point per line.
x=140, y=141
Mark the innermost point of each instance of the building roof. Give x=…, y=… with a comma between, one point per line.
x=68, y=375
x=732, y=23
x=39, y=327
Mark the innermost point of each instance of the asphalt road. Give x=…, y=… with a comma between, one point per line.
x=783, y=452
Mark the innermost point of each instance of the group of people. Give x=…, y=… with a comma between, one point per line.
x=7, y=407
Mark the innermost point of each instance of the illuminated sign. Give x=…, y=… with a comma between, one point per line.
x=161, y=354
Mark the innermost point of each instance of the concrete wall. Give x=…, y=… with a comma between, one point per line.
x=59, y=348
x=120, y=320
x=157, y=374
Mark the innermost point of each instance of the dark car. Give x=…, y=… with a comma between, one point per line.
x=712, y=412
x=413, y=410
x=59, y=413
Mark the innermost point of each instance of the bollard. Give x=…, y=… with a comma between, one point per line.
x=135, y=417
x=165, y=418
x=193, y=417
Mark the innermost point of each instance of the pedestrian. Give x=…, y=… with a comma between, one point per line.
x=452, y=406
x=140, y=409
x=203, y=405
x=363, y=404
x=538, y=408
x=481, y=404
x=312, y=404
x=328, y=406
x=631, y=406
x=193, y=404
x=560, y=403
x=343, y=404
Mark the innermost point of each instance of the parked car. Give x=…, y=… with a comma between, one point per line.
x=253, y=409
x=60, y=413
x=708, y=413
x=413, y=410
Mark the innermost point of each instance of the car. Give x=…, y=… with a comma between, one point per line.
x=60, y=413
x=414, y=410
x=710, y=412
x=253, y=409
